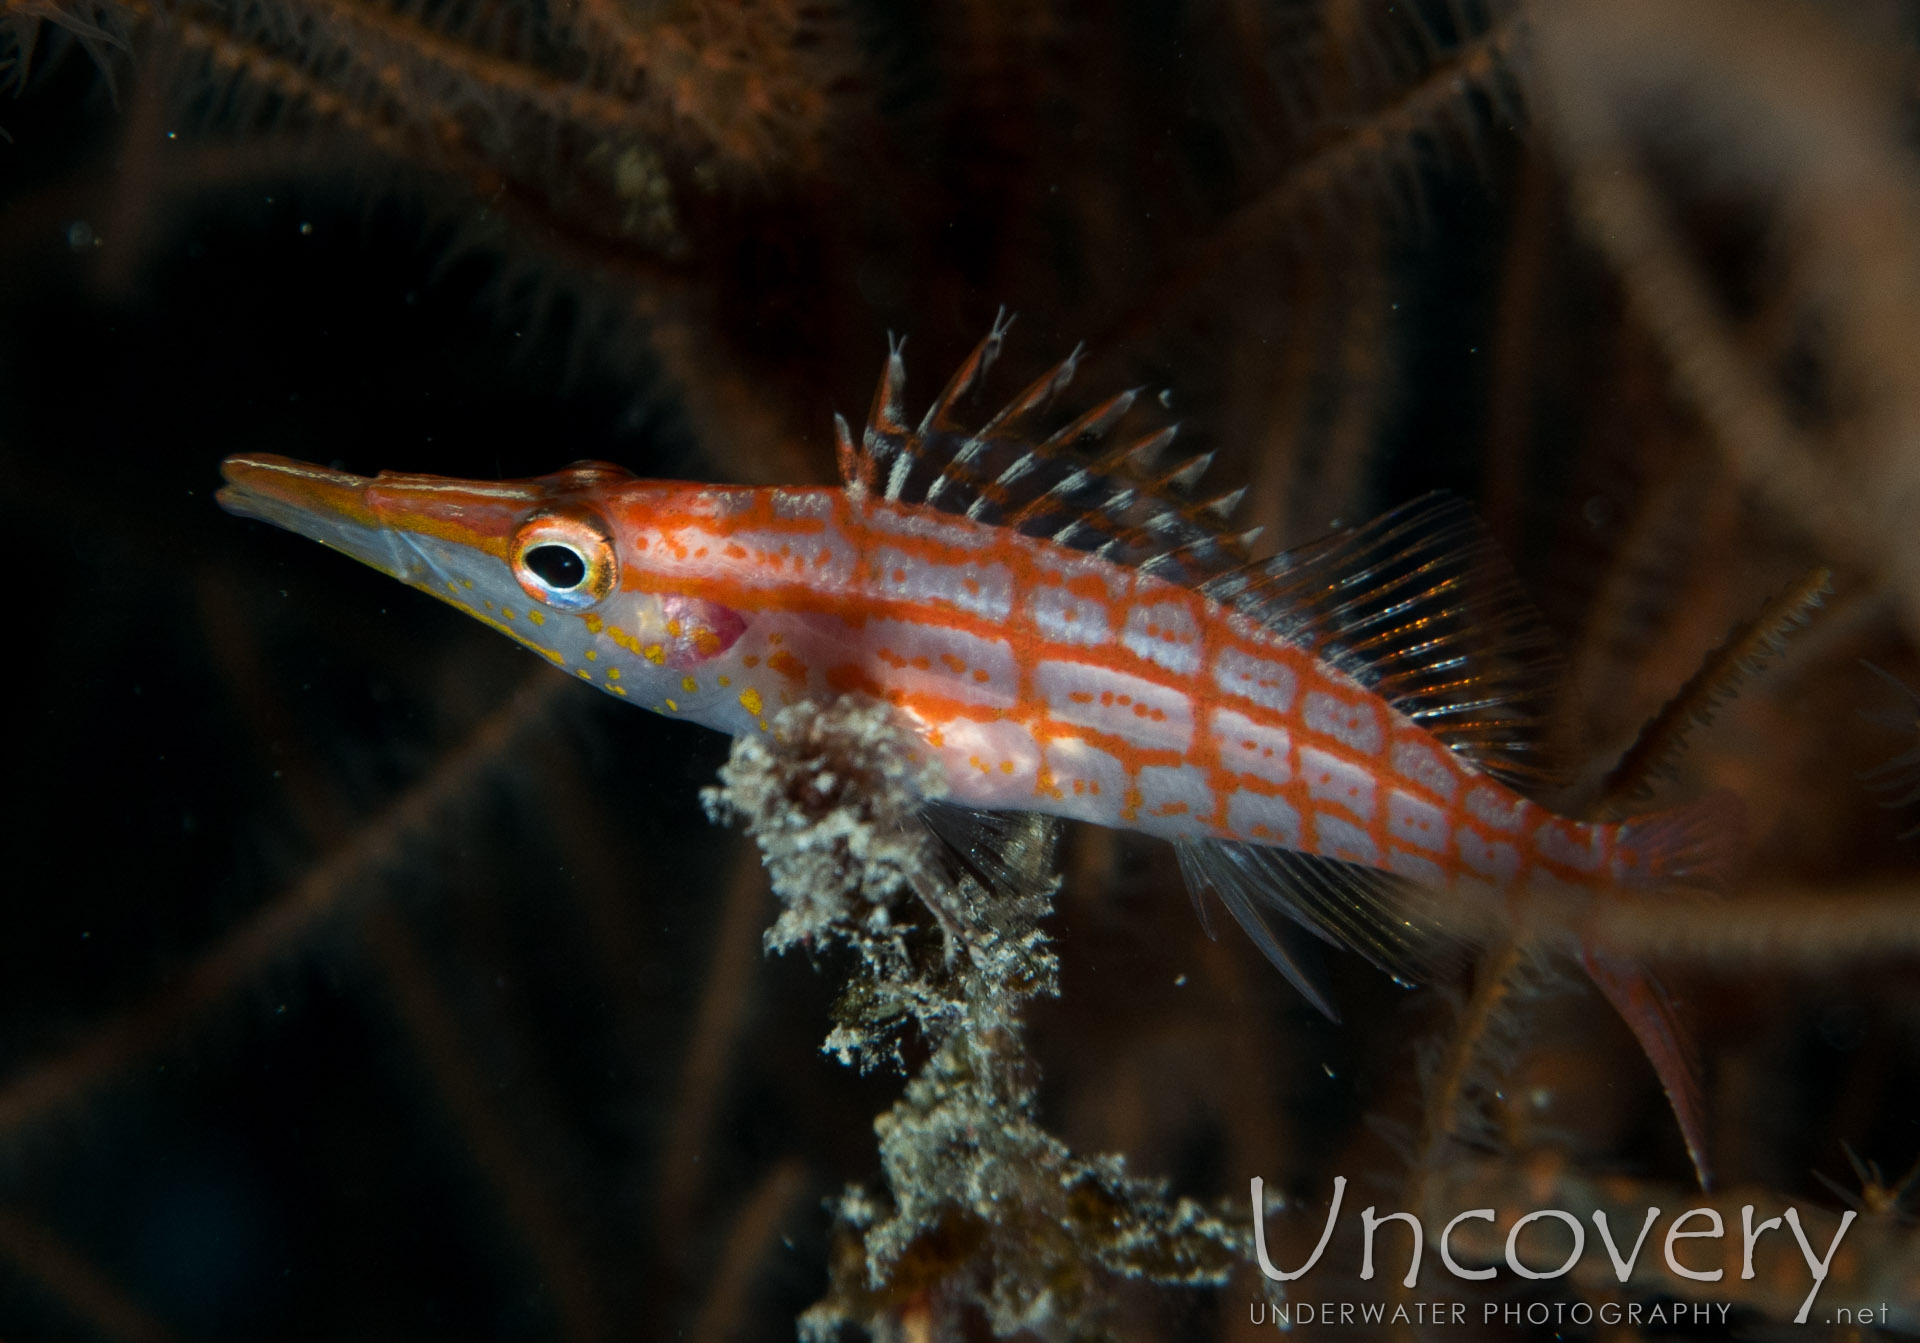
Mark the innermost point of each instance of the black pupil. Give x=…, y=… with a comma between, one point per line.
x=559, y=567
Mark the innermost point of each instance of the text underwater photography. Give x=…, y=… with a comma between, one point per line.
x=1298, y=1310
x=1098, y=671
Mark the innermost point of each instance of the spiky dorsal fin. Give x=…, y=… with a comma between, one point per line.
x=1416, y=605
x=1072, y=487
x=1419, y=606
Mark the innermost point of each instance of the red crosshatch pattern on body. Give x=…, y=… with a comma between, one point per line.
x=1042, y=678
x=1063, y=635
x=961, y=624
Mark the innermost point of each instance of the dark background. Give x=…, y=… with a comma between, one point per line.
x=361, y=978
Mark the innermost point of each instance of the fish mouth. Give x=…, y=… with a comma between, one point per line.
x=331, y=507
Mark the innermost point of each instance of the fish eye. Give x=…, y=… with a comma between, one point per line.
x=560, y=567
x=564, y=559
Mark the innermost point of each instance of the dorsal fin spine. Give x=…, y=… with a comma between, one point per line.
x=1020, y=467
x=1110, y=463
x=1185, y=476
x=974, y=368
x=1118, y=501
x=897, y=478
x=1094, y=423
x=1144, y=454
x=1042, y=390
x=951, y=473
x=885, y=425
x=847, y=457
x=1200, y=546
x=1115, y=501
x=1221, y=508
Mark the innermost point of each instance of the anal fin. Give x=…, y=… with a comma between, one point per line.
x=1362, y=909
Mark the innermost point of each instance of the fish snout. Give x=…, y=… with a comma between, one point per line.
x=283, y=491
x=316, y=502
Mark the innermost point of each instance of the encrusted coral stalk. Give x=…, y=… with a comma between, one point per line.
x=983, y=1207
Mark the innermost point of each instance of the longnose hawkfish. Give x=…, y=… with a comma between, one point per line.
x=1068, y=631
